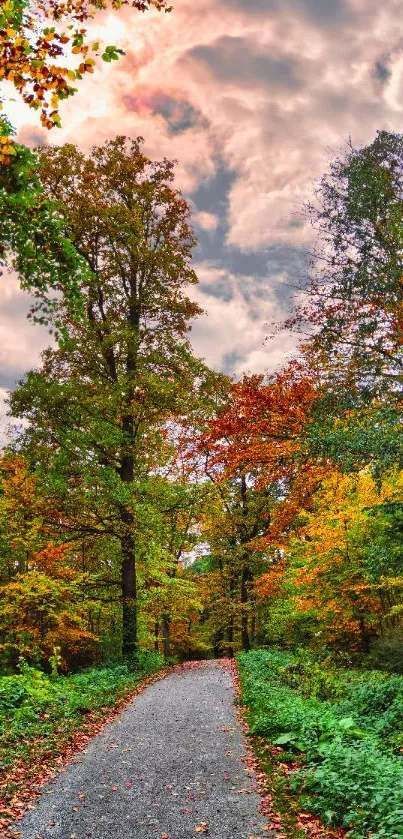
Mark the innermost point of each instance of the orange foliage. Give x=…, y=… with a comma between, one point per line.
x=269, y=585
x=52, y=561
x=258, y=433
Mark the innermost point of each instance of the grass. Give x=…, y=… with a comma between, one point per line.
x=340, y=734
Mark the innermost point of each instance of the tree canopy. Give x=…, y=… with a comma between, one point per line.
x=183, y=510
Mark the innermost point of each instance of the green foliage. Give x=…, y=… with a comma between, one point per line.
x=357, y=786
x=345, y=743
x=357, y=291
x=12, y=692
x=285, y=626
x=354, y=302
x=312, y=678
x=148, y=661
x=24, y=696
x=111, y=54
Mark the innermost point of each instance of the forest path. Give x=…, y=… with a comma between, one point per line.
x=170, y=763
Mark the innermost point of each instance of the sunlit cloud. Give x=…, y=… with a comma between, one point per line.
x=252, y=98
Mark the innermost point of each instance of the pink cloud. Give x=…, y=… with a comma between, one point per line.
x=266, y=90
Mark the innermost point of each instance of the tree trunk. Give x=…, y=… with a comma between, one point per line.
x=129, y=597
x=252, y=629
x=156, y=636
x=230, y=639
x=129, y=581
x=165, y=635
x=230, y=629
x=189, y=636
x=245, y=577
x=244, y=614
x=218, y=643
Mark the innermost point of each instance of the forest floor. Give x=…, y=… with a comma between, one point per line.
x=172, y=765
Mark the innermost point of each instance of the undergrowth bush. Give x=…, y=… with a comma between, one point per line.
x=311, y=677
x=356, y=786
x=344, y=729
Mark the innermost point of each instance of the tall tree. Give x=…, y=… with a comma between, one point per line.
x=355, y=294
x=353, y=306
x=99, y=408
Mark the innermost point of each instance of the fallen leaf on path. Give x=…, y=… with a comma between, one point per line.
x=202, y=828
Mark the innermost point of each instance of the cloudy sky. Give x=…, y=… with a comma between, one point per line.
x=253, y=98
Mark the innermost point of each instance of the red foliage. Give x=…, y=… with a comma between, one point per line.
x=260, y=427
x=258, y=433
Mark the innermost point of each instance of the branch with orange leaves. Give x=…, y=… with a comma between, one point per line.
x=31, y=51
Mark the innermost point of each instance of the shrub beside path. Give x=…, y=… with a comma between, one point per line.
x=168, y=767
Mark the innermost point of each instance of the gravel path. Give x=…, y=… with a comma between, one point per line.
x=170, y=763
